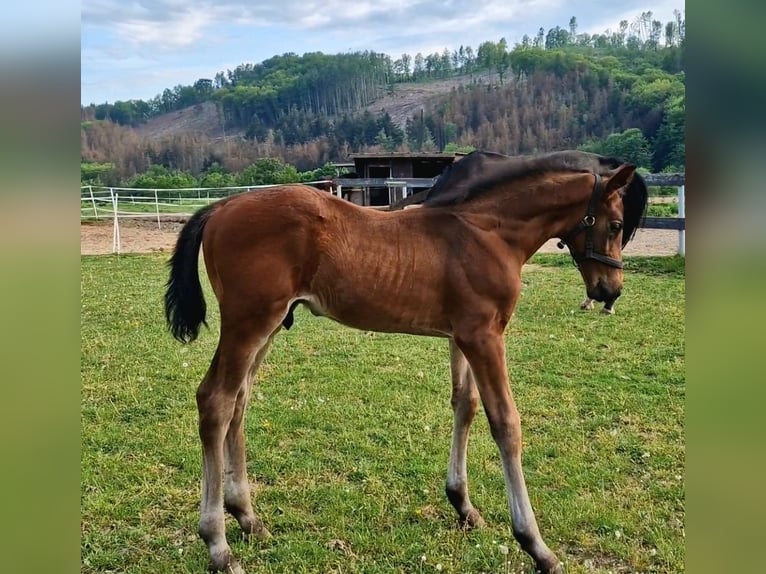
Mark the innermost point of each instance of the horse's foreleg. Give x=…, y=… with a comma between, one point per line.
x=485, y=352
x=236, y=486
x=465, y=403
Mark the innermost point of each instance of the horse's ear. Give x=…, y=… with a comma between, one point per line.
x=619, y=178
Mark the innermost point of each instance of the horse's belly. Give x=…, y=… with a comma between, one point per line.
x=393, y=316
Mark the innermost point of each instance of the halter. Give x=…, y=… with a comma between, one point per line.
x=586, y=225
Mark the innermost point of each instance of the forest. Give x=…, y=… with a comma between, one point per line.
x=620, y=93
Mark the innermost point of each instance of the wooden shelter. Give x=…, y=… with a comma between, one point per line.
x=385, y=178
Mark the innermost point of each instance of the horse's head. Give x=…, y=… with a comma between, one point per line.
x=596, y=242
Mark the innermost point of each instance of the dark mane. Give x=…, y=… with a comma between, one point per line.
x=480, y=170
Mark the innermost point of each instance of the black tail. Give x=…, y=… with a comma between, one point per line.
x=184, y=301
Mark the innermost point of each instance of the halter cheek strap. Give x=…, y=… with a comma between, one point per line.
x=586, y=225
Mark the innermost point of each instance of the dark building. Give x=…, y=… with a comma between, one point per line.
x=384, y=178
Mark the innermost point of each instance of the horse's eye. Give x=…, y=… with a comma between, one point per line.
x=616, y=226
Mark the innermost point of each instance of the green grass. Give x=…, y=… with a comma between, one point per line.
x=662, y=210
x=348, y=435
x=140, y=206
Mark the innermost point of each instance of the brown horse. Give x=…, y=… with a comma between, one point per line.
x=450, y=269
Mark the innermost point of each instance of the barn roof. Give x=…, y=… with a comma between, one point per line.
x=414, y=155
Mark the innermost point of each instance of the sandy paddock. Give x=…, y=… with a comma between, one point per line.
x=143, y=236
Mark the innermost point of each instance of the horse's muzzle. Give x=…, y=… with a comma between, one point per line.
x=604, y=294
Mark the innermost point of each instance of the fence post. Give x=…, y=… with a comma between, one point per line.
x=157, y=206
x=116, y=225
x=93, y=201
x=682, y=215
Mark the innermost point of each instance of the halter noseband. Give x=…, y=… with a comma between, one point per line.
x=586, y=225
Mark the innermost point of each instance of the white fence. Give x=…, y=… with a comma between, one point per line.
x=115, y=203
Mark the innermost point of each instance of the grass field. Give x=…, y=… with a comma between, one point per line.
x=349, y=432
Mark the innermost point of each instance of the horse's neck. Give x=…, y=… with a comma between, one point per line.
x=530, y=216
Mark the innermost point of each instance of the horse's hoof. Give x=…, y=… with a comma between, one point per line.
x=587, y=305
x=253, y=528
x=225, y=562
x=472, y=520
x=258, y=533
x=557, y=569
x=261, y=534
x=607, y=311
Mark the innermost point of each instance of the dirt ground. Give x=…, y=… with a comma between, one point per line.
x=143, y=236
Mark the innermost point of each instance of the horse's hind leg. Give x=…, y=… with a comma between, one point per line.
x=217, y=401
x=465, y=403
x=236, y=487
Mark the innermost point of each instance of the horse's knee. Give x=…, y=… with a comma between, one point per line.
x=467, y=403
x=506, y=430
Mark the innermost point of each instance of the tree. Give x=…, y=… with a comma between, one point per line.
x=630, y=145
x=268, y=170
x=418, y=66
x=94, y=173
x=217, y=179
x=556, y=38
x=384, y=141
x=470, y=59
x=160, y=177
x=406, y=63
x=670, y=142
x=502, y=59
x=494, y=56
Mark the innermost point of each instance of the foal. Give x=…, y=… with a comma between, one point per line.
x=456, y=267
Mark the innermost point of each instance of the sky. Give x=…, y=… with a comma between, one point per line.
x=134, y=49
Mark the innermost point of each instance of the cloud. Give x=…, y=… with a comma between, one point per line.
x=210, y=34
x=173, y=23
x=187, y=29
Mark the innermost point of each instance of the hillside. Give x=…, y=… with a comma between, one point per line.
x=408, y=99
x=405, y=101
x=199, y=119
